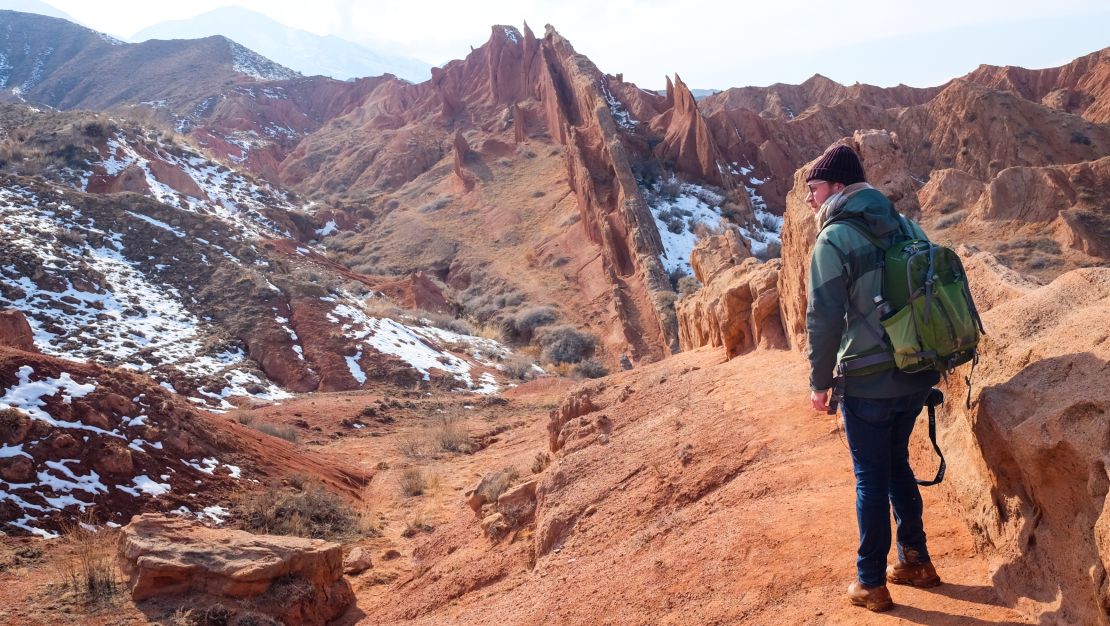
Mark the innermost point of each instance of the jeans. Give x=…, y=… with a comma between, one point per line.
x=878, y=434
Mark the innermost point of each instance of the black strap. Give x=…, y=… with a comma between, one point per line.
x=934, y=398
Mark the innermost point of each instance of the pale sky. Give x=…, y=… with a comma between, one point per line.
x=710, y=44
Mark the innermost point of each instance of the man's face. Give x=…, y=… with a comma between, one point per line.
x=817, y=191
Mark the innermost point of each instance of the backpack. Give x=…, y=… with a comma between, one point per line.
x=928, y=316
x=926, y=309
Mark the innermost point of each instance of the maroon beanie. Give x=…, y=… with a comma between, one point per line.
x=839, y=165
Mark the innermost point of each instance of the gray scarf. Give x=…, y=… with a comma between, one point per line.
x=832, y=205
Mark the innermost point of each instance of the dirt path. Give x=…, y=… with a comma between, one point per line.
x=757, y=527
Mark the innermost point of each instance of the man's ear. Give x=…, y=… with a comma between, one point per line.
x=836, y=188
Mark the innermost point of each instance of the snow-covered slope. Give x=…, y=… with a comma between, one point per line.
x=303, y=51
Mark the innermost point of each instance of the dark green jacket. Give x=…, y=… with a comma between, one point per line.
x=844, y=277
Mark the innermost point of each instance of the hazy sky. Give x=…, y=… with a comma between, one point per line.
x=710, y=44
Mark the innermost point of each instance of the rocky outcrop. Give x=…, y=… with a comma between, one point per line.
x=737, y=311
x=687, y=142
x=991, y=282
x=1081, y=87
x=460, y=151
x=1060, y=202
x=1032, y=448
x=15, y=332
x=163, y=555
x=713, y=255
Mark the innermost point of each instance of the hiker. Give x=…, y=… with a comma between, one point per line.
x=880, y=403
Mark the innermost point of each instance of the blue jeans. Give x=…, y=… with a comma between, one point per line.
x=878, y=434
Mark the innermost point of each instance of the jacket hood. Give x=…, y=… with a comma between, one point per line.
x=872, y=207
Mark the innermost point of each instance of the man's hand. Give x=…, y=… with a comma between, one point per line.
x=820, y=400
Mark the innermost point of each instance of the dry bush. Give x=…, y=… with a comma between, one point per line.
x=287, y=433
x=591, y=368
x=311, y=511
x=950, y=220
x=449, y=434
x=688, y=285
x=416, y=526
x=413, y=445
x=91, y=570
x=565, y=344
x=412, y=482
x=526, y=321
x=518, y=367
x=540, y=462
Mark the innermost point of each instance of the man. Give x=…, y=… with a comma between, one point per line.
x=880, y=403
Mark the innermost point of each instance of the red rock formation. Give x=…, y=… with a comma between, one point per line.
x=15, y=332
x=1081, y=87
x=687, y=142
x=738, y=310
x=460, y=151
x=164, y=555
x=713, y=255
x=1032, y=447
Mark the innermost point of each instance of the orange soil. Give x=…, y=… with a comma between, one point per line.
x=757, y=527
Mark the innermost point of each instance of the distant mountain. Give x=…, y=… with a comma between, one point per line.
x=58, y=63
x=303, y=51
x=34, y=6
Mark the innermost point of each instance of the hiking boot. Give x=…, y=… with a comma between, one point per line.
x=916, y=574
x=871, y=598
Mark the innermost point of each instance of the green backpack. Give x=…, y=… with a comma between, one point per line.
x=926, y=308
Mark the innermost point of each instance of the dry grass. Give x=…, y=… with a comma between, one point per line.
x=287, y=433
x=449, y=434
x=91, y=570
x=412, y=482
x=310, y=511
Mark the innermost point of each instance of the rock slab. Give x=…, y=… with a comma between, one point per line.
x=165, y=555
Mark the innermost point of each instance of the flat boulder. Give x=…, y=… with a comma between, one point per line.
x=165, y=555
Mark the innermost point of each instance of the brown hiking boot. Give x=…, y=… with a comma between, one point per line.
x=871, y=598
x=915, y=573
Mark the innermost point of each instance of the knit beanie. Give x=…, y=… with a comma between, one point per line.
x=839, y=165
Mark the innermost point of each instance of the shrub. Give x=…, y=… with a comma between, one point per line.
x=91, y=570
x=518, y=367
x=311, y=511
x=949, y=220
x=450, y=435
x=497, y=483
x=412, y=445
x=540, y=462
x=591, y=368
x=565, y=344
x=287, y=433
x=687, y=285
x=435, y=205
x=412, y=482
x=526, y=321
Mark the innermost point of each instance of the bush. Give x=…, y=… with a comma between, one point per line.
x=591, y=368
x=91, y=570
x=287, y=433
x=497, y=483
x=518, y=367
x=413, y=482
x=435, y=205
x=526, y=321
x=450, y=435
x=687, y=285
x=311, y=511
x=565, y=344
x=950, y=220
x=540, y=462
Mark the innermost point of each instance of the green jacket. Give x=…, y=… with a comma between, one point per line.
x=844, y=277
